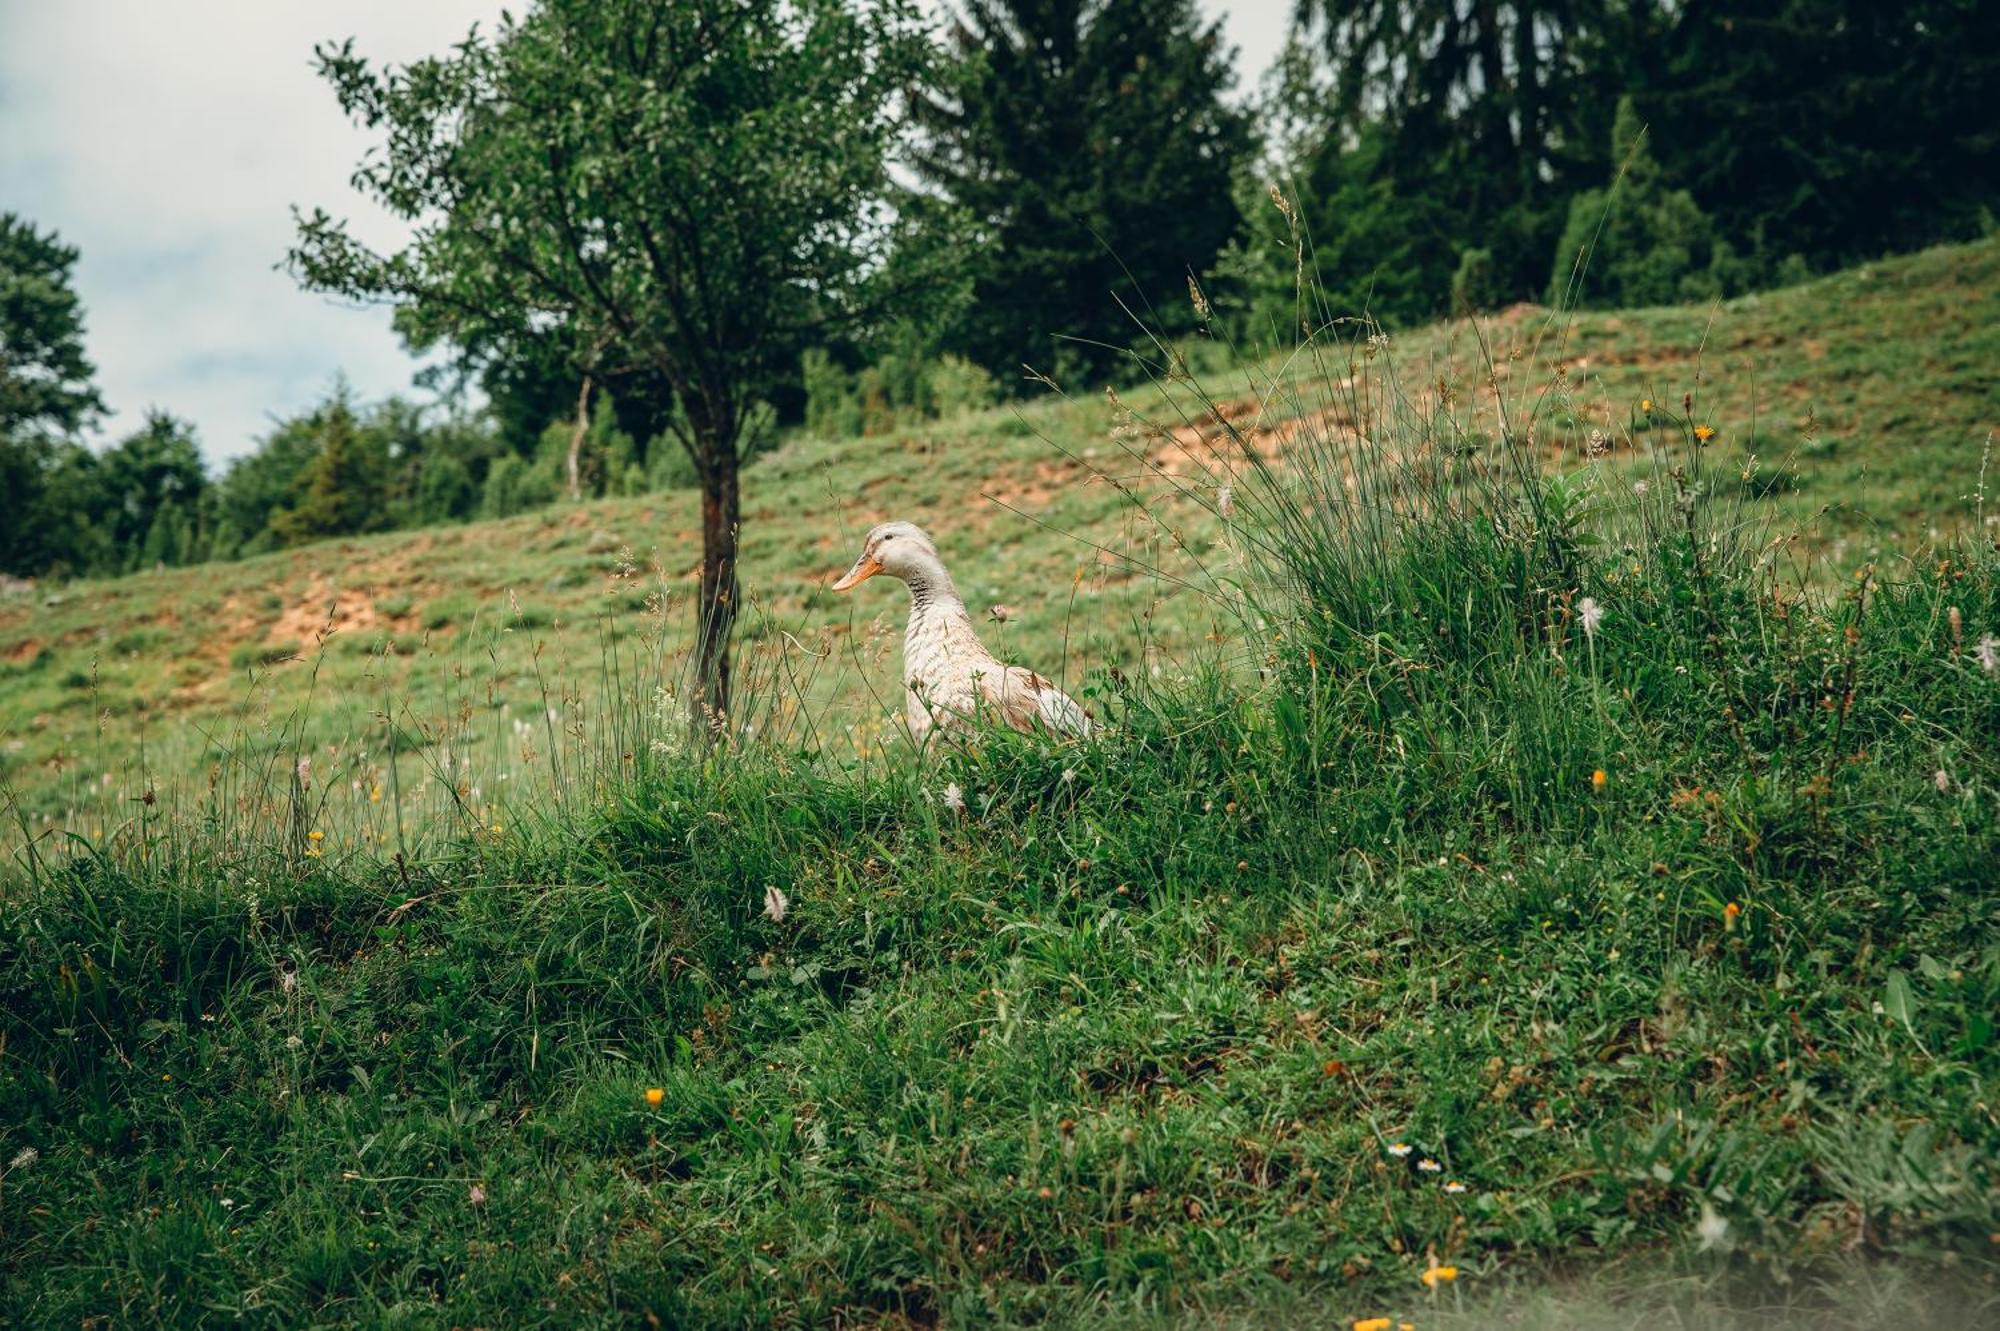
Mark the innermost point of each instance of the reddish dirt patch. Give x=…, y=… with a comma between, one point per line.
x=325, y=610
x=23, y=651
x=1200, y=449
x=1036, y=489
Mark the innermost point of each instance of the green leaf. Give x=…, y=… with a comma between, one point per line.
x=1897, y=1000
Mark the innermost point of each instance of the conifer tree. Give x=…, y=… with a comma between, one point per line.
x=1092, y=147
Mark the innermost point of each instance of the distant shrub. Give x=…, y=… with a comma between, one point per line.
x=1475, y=287
x=957, y=386
x=895, y=390
x=1642, y=242
x=513, y=486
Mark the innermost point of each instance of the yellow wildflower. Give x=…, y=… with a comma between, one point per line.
x=315, y=835
x=654, y=1096
x=1439, y=1275
x=1372, y=1324
x=1598, y=780
x=1729, y=914
x=1704, y=433
x=1646, y=405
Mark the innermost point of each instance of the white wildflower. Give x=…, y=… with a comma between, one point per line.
x=776, y=904
x=24, y=1157
x=1225, y=502
x=1988, y=652
x=228, y=1203
x=1454, y=1187
x=954, y=798
x=1590, y=614
x=1069, y=775
x=1399, y=1149
x=304, y=769
x=1639, y=487
x=477, y=1195
x=1941, y=780
x=1430, y=1166
x=1712, y=1230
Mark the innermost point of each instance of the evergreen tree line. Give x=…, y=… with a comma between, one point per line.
x=1075, y=165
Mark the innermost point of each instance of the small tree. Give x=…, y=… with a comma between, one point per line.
x=1641, y=242
x=678, y=196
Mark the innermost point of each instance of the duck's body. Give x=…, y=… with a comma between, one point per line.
x=951, y=681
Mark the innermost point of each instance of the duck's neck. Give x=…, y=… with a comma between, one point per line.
x=931, y=592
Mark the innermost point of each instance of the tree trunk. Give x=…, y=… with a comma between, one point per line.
x=720, y=520
x=576, y=440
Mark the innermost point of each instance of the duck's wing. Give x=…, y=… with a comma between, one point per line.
x=1025, y=701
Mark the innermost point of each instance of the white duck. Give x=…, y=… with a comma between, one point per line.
x=952, y=680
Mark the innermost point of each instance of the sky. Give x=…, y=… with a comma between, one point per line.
x=169, y=140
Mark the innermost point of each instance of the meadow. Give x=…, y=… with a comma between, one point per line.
x=1542, y=836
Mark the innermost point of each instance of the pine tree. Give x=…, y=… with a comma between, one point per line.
x=1638, y=242
x=1093, y=150
x=346, y=486
x=1450, y=126
x=1836, y=129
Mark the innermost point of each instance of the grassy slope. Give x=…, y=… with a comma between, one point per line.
x=1135, y=1034
x=1874, y=389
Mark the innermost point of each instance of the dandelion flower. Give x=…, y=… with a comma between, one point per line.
x=315, y=835
x=1399, y=1149
x=1729, y=914
x=1988, y=652
x=776, y=904
x=954, y=798
x=1372, y=1324
x=1598, y=780
x=1704, y=433
x=654, y=1097
x=1439, y=1275
x=1590, y=614
x=1646, y=405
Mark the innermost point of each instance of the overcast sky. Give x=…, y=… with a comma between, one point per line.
x=169, y=139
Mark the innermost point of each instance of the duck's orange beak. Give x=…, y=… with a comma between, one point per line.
x=864, y=569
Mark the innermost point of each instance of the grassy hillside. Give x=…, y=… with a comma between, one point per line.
x=1855, y=409
x=1512, y=868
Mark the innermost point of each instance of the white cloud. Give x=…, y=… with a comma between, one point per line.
x=168, y=142
x=169, y=139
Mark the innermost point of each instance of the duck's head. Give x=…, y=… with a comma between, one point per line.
x=900, y=549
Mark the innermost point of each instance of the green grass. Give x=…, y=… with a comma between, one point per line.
x=1670, y=944
x=1858, y=405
